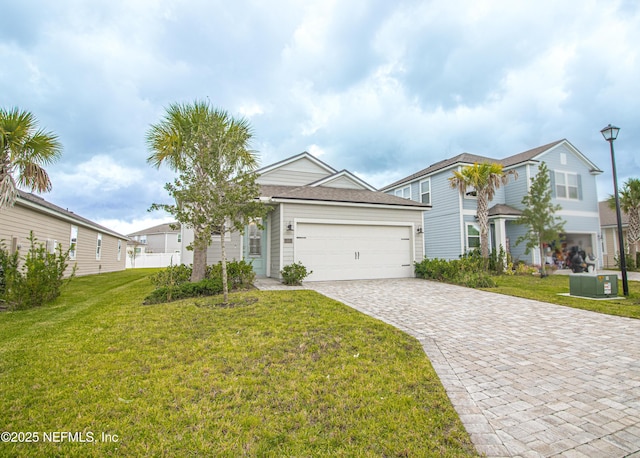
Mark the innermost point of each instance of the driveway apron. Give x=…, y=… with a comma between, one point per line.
x=527, y=378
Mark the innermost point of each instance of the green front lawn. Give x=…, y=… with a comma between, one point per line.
x=286, y=373
x=547, y=290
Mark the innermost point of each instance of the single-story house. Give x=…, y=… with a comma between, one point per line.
x=157, y=246
x=609, y=232
x=331, y=221
x=97, y=248
x=451, y=226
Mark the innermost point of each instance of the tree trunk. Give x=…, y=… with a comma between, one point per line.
x=199, y=258
x=223, y=259
x=483, y=221
x=543, y=269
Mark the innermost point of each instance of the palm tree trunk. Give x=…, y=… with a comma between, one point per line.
x=483, y=221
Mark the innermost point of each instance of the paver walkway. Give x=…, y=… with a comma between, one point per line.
x=527, y=378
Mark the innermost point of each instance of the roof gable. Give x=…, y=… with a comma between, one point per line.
x=345, y=180
x=297, y=170
x=535, y=154
x=159, y=229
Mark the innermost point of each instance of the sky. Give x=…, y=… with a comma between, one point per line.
x=380, y=88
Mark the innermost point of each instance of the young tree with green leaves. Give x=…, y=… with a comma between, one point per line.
x=216, y=190
x=485, y=179
x=629, y=197
x=24, y=150
x=539, y=216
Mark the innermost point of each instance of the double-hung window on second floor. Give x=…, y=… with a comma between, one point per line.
x=567, y=185
x=425, y=191
x=403, y=192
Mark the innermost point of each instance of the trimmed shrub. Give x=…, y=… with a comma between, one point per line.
x=293, y=274
x=470, y=270
x=206, y=287
x=34, y=280
x=239, y=273
x=173, y=282
x=171, y=276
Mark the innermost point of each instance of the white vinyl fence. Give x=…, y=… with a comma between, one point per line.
x=153, y=260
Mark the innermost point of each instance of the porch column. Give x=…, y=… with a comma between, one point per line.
x=501, y=233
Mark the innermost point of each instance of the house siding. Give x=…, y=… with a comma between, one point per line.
x=516, y=189
x=18, y=221
x=233, y=248
x=276, y=235
x=298, y=173
x=442, y=229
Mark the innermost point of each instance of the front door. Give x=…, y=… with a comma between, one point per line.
x=255, y=249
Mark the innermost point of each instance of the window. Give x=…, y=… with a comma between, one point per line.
x=566, y=185
x=425, y=191
x=119, y=249
x=98, y=247
x=473, y=237
x=471, y=193
x=179, y=237
x=255, y=240
x=143, y=239
x=52, y=246
x=73, y=243
x=403, y=192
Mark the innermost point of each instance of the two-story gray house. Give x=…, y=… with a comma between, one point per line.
x=451, y=228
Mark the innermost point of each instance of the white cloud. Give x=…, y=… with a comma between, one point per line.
x=100, y=173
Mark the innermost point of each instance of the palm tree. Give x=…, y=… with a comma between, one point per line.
x=24, y=149
x=209, y=150
x=484, y=179
x=629, y=197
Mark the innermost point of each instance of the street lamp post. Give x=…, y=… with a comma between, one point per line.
x=610, y=133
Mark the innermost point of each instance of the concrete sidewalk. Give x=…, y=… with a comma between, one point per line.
x=527, y=378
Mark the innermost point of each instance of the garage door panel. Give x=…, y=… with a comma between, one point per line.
x=346, y=252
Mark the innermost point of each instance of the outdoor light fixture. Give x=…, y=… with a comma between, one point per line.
x=419, y=230
x=610, y=133
x=289, y=226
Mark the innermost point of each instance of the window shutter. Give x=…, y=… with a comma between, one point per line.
x=579, y=187
x=552, y=179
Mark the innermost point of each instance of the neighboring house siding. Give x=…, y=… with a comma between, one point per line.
x=348, y=213
x=515, y=231
x=516, y=189
x=233, y=248
x=18, y=221
x=442, y=222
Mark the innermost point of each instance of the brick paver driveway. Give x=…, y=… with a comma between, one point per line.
x=527, y=378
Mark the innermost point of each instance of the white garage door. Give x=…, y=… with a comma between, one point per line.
x=354, y=252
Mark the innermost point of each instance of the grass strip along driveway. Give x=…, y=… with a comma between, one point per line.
x=548, y=289
x=283, y=373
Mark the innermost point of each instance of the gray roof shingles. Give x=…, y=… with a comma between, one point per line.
x=39, y=201
x=328, y=194
x=466, y=158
